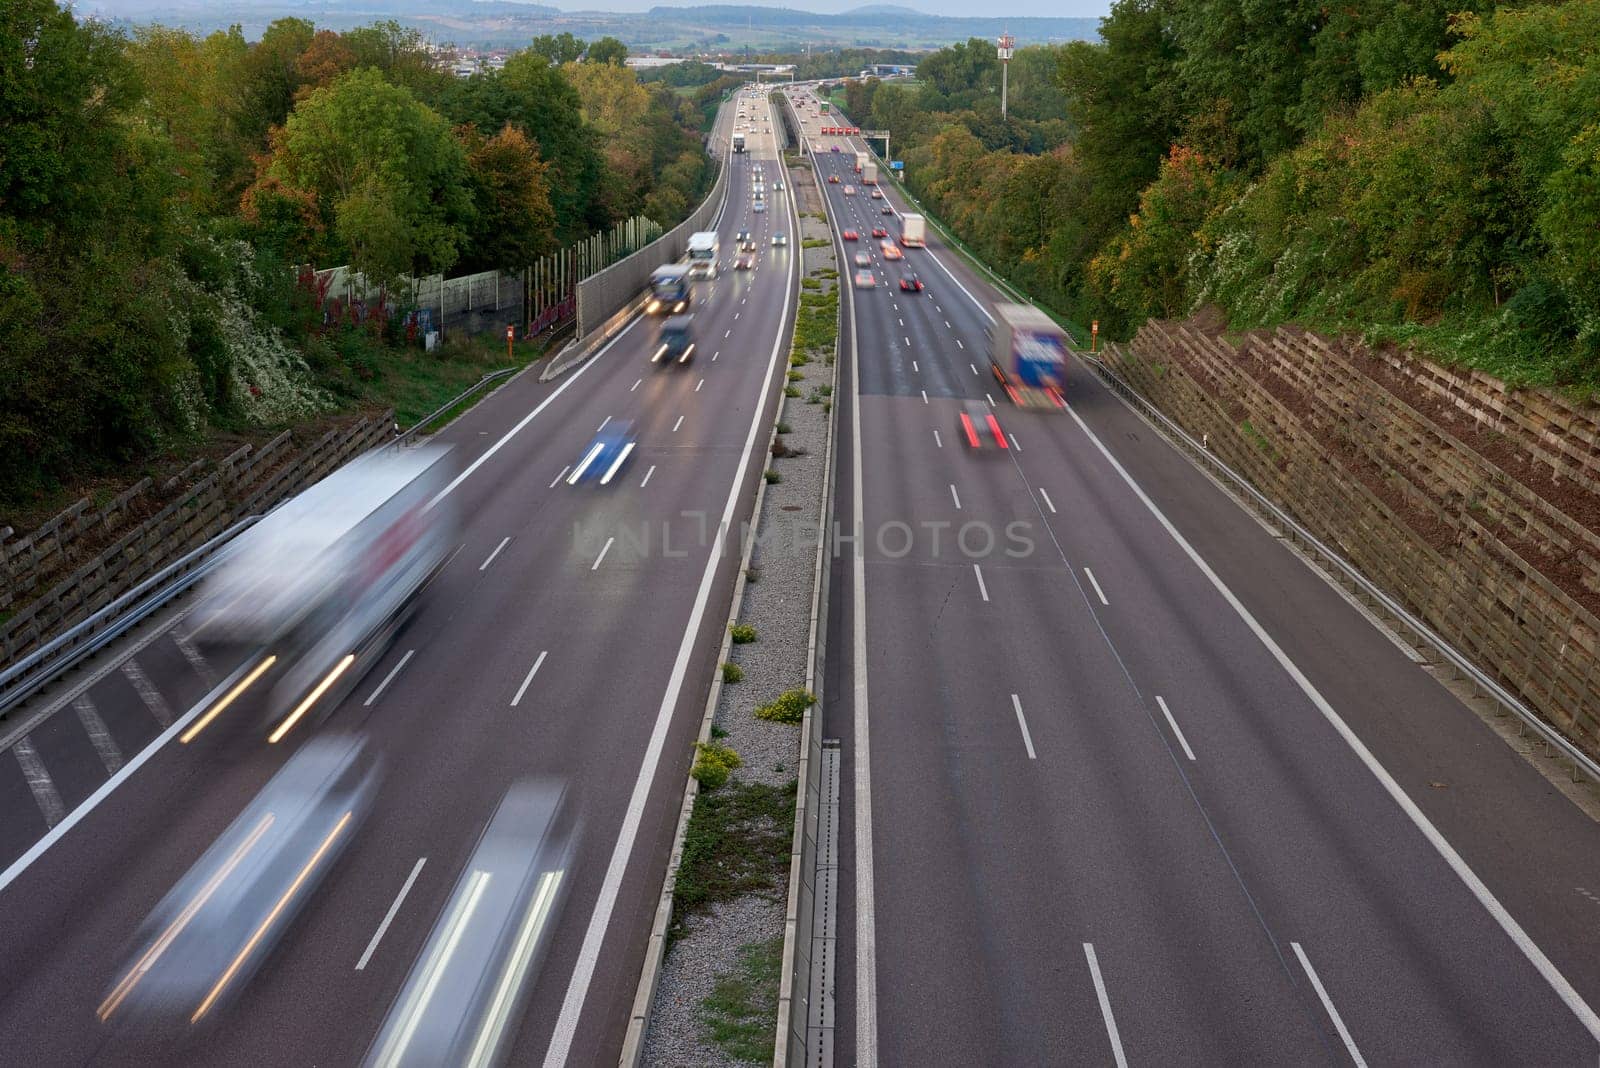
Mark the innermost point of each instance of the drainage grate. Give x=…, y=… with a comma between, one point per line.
x=825, y=917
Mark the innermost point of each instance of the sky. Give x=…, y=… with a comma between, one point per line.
x=1037, y=8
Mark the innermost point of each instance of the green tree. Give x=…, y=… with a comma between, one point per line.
x=608, y=50
x=388, y=177
x=558, y=49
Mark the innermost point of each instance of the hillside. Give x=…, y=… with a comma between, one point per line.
x=493, y=24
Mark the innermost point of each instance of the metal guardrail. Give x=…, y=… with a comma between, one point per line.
x=53, y=659
x=50, y=661
x=1482, y=681
x=452, y=402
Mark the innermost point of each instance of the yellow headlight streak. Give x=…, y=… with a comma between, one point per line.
x=516, y=973
x=216, y=710
x=311, y=699
x=120, y=992
x=288, y=896
x=417, y=1004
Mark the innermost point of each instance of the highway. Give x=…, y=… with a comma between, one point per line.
x=571, y=635
x=1134, y=785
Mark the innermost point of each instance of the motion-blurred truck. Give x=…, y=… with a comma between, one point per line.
x=318, y=588
x=1028, y=354
x=669, y=289
x=861, y=161
x=913, y=231
x=869, y=174
x=738, y=140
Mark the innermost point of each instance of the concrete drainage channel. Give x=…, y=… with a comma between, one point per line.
x=730, y=893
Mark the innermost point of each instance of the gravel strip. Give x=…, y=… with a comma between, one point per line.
x=778, y=605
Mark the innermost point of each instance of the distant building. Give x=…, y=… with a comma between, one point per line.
x=648, y=62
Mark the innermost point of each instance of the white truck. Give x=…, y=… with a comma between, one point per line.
x=738, y=140
x=869, y=176
x=861, y=161
x=703, y=255
x=1028, y=354
x=913, y=230
x=317, y=588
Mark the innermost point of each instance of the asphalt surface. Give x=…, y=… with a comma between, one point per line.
x=616, y=593
x=1104, y=823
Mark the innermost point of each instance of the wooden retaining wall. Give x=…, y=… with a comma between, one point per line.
x=63, y=571
x=1466, y=542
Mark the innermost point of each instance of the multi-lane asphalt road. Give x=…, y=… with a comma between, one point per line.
x=571, y=635
x=1134, y=785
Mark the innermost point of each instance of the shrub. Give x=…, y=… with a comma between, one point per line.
x=743, y=633
x=789, y=706
x=772, y=476
x=732, y=672
x=713, y=764
x=784, y=428
x=791, y=391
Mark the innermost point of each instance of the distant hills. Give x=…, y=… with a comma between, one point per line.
x=504, y=23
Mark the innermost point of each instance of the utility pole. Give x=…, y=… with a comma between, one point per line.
x=1006, y=43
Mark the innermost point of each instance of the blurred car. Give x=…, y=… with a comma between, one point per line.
x=833, y=179
x=744, y=242
x=207, y=937
x=911, y=283
x=877, y=194
x=891, y=251
x=866, y=280
x=886, y=210
x=849, y=235
x=849, y=190
x=863, y=259
x=835, y=148
x=976, y=419
x=777, y=184
x=779, y=240
x=878, y=231
x=759, y=207
x=462, y=1002
x=612, y=445
x=744, y=261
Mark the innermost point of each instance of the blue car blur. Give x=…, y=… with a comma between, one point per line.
x=604, y=456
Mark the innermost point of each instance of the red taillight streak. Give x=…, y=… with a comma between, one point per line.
x=972, y=434
x=999, y=437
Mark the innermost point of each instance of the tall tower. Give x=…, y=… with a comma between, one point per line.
x=1006, y=43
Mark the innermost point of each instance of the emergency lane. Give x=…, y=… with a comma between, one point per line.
x=449, y=726
x=1265, y=901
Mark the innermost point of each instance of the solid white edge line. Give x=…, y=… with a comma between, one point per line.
x=1027, y=739
x=1552, y=975
x=603, y=550
x=1173, y=723
x=1048, y=501
x=1098, y=592
x=542, y=405
x=566, y=1025
x=490, y=558
x=387, y=679
x=982, y=588
x=73, y=818
x=1327, y=1003
x=528, y=678
x=388, y=917
x=1105, y=1006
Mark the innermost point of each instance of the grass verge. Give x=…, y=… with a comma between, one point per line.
x=737, y=842
x=738, y=1015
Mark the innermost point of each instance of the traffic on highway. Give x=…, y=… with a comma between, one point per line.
x=1119, y=781
x=392, y=787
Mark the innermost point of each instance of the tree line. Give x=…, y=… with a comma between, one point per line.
x=157, y=189
x=1425, y=171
